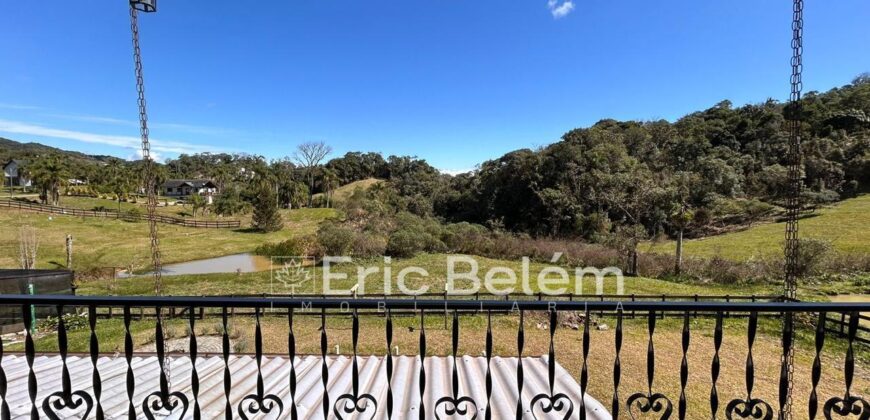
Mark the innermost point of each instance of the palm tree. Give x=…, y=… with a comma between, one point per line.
x=121, y=185
x=49, y=173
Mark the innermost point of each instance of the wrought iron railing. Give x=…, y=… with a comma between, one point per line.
x=551, y=403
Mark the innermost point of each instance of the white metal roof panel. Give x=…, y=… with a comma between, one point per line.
x=276, y=374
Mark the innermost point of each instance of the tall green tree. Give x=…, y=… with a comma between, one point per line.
x=197, y=203
x=266, y=217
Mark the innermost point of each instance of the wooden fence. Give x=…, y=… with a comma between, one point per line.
x=838, y=323
x=42, y=208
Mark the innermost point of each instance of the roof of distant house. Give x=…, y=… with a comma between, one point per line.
x=18, y=162
x=195, y=183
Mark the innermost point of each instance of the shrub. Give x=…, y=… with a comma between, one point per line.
x=71, y=321
x=335, y=239
x=466, y=238
x=134, y=214
x=420, y=205
x=230, y=203
x=368, y=244
x=811, y=254
x=298, y=246
x=240, y=346
x=406, y=243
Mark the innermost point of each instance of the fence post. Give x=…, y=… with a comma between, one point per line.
x=31, y=290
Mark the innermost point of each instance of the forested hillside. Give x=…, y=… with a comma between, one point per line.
x=702, y=174
x=10, y=149
x=720, y=162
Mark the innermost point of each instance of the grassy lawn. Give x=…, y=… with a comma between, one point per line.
x=106, y=242
x=846, y=225
x=435, y=265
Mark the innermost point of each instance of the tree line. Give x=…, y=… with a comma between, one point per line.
x=615, y=182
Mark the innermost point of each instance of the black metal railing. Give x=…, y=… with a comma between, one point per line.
x=551, y=403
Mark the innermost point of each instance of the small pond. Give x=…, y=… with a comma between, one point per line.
x=236, y=263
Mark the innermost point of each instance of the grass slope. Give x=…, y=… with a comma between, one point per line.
x=434, y=264
x=108, y=242
x=343, y=192
x=846, y=225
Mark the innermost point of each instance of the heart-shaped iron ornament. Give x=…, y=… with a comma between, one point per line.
x=752, y=409
x=555, y=404
x=650, y=403
x=254, y=404
x=160, y=404
x=456, y=407
x=349, y=404
x=848, y=406
x=69, y=402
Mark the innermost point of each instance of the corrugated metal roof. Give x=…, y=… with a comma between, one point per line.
x=276, y=371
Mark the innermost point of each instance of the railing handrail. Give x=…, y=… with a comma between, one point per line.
x=590, y=296
x=349, y=303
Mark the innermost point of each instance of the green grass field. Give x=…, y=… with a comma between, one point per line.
x=107, y=242
x=846, y=225
x=435, y=265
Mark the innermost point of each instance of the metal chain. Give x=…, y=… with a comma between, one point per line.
x=150, y=177
x=793, y=201
x=793, y=204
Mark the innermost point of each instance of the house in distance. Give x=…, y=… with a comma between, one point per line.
x=183, y=188
x=14, y=175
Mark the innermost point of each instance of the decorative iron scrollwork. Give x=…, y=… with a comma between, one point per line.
x=455, y=405
x=355, y=402
x=65, y=399
x=72, y=401
x=850, y=405
x=650, y=402
x=160, y=404
x=163, y=400
x=654, y=403
x=255, y=404
x=550, y=401
x=260, y=402
x=461, y=406
x=559, y=404
x=751, y=409
x=349, y=404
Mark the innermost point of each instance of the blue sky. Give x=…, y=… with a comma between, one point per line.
x=455, y=82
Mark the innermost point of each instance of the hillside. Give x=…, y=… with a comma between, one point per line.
x=846, y=225
x=343, y=192
x=11, y=149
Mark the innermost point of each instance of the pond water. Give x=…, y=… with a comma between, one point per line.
x=244, y=263
x=850, y=298
x=853, y=298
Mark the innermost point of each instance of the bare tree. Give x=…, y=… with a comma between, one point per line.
x=28, y=244
x=309, y=156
